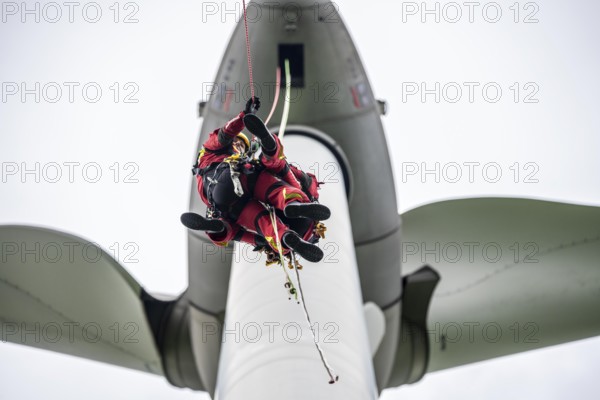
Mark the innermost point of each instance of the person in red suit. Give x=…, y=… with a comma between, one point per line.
x=236, y=187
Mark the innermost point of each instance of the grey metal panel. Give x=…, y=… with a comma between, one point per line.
x=373, y=209
x=383, y=361
x=209, y=270
x=379, y=268
x=490, y=303
x=59, y=292
x=205, y=335
x=176, y=341
x=412, y=355
x=209, y=266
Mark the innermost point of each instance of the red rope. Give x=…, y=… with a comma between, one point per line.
x=248, y=52
x=277, y=85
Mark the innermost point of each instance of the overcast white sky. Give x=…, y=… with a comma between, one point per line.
x=167, y=56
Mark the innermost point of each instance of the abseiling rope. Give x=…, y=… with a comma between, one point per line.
x=292, y=291
x=333, y=377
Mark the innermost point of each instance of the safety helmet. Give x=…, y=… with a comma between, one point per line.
x=244, y=139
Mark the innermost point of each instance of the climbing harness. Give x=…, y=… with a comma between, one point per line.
x=234, y=170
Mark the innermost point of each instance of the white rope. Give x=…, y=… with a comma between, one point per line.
x=286, y=104
x=284, y=118
x=333, y=377
x=292, y=288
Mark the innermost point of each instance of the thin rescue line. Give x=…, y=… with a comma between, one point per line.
x=333, y=377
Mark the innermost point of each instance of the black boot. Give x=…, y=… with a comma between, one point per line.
x=308, y=251
x=258, y=129
x=315, y=211
x=198, y=223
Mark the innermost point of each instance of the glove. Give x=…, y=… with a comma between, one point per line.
x=260, y=241
x=252, y=107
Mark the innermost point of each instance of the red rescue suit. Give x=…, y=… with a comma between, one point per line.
x=277, y=184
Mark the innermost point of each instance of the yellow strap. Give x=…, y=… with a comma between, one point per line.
x=232, y=159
